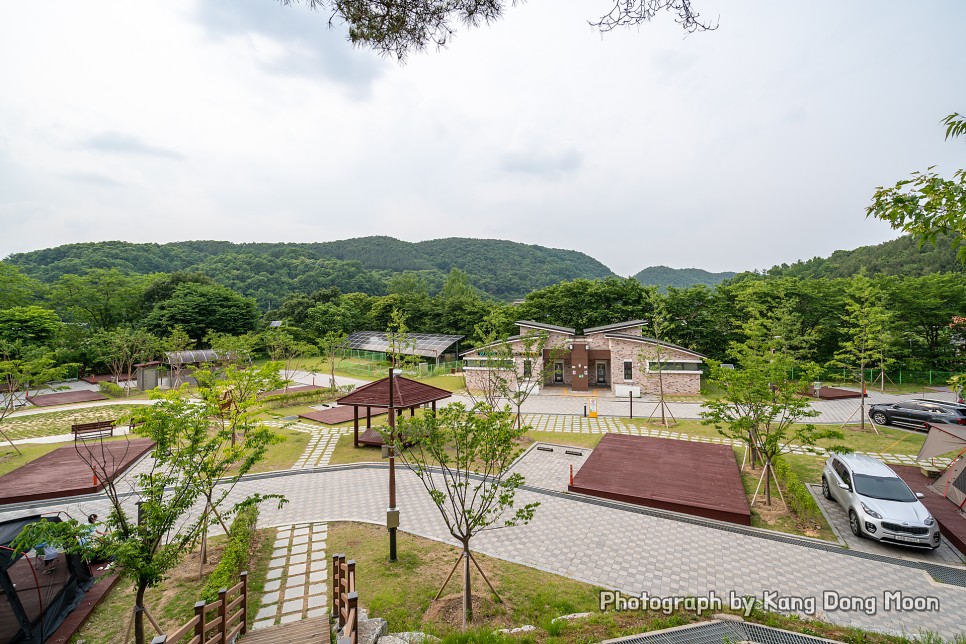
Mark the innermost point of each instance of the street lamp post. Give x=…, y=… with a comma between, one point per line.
x=392, y=514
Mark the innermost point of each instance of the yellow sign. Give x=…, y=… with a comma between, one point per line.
x=593, y=408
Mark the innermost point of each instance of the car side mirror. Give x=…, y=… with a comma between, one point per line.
x=920, y=495
x=845, y=486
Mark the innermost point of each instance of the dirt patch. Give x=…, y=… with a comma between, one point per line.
x=777, y=516
x=448, y=610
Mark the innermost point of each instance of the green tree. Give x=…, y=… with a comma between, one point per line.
x=654, y=356
x=927, y=205
x=201, y=308
x=33, y=325
x=865, y=324
x=103, y=298
x=286, y=351
x=400, y=27
x=462, y=457
x=331, y=344
x=122, y=348
x=18, y=289
x=23, y=368
x=236, y=440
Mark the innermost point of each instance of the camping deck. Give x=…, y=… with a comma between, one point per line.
x=692, y=478
x=63, y=472
x=951, y=523
x=48, y=400
x=337, y=415
x=833, y=393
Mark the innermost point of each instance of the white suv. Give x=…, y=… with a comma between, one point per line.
x=880, y=504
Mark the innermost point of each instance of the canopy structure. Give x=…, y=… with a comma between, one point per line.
x=196, y=356
x=943, y=438
x=406, y=394
x=427, y=345
x=38, y=592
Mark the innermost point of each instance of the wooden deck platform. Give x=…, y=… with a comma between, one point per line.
x=693, y=478
x=951, y=523
x=65, y=398
x=833, y=393
x=308, y=630
x=340, y=414
x=63, y=472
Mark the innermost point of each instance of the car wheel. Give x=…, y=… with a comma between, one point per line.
x=854, y=524
x=880, y=419
x=826, y=492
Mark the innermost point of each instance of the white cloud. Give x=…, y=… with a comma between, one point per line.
x=756, y=144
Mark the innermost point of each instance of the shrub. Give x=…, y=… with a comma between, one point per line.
x=302, y=397
x=797, y=495
x=237, y=553
x=111, y=389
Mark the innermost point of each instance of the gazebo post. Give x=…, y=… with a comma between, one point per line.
x=355, y=425
x=368, y=417
x=434, y=409
x=412, y=412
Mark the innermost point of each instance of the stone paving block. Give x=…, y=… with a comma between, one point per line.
x=294, y=592
x=275, y=573
x=288, y=619
x=267, y=612
x=315, y=601
x=296, y=569
x=270, y=598
x=297, y=580
x=301, y=549
x=297, y=559
x=293, y=606
x=272, y=585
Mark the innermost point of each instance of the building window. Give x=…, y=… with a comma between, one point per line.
x=674, y=366
x=528, y=368
x=628, y=370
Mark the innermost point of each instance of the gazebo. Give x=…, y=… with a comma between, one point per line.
x=407, y=394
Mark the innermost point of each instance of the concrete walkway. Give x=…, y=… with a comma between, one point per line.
x=612, y=547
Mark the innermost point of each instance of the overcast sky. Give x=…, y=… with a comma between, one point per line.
x=756, y=144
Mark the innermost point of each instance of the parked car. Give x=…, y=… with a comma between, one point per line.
x=880, y=505
x=916, y=413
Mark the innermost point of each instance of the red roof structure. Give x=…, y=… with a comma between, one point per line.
x=406, y=394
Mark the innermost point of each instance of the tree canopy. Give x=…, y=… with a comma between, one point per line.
x=400, y=27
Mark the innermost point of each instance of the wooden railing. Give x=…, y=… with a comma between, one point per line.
x=229, y=621
x=345, y=599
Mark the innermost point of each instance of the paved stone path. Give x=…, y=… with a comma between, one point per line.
x=319, y=450
x=612, y=547
x=581, y=425
x=297, y=583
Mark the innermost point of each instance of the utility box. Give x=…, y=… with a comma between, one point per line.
x=147, y=375
x=623, y=391
x=392, y=518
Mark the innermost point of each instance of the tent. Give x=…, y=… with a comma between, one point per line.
x=943, y=438
x=38, y=592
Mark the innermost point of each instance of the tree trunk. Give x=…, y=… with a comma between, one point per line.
x=139, y=613
x=862, y=398
x=768, y=482
x=332, y=370
x=752, y=448
x=467, y=592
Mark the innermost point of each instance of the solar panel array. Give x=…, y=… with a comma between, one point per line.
x=429, y=345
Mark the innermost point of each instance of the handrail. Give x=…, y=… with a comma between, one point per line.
x=345, y=599
x=225, y=622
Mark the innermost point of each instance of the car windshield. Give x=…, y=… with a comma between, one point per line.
x=888, y=488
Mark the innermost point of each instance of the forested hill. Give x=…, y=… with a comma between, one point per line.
x=901, y=256
x=269, y=271
x=664, y=276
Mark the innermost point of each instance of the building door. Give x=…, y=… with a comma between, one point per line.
x=558, y=372
x=601, y=373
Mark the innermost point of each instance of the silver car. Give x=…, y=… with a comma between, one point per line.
x=880, y=504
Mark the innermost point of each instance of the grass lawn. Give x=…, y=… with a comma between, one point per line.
x=282, y=456
x=10, y=460
x=58, y=422
x=402, y=593
x=172, y=603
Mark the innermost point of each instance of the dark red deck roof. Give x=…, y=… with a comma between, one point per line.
x=406, y=392
x=693, y=478
x=337, y=415
x=951, y=523
x=49, y=400
x=63, y=472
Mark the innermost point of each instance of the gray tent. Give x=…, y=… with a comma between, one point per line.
x=941, y=439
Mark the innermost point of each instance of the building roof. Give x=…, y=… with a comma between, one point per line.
x=196, y=355
x=429, y=345
x=406, y=393
x=641, y=338
x=546, y=327
x=614, y=327
x=508, y=340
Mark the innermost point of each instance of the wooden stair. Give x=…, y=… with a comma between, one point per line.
x=307, y=630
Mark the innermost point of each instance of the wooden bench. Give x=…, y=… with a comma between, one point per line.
x=99, y=429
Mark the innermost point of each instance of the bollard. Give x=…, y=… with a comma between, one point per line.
x=571, y=475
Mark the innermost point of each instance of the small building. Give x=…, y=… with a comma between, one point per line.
x=432, y=346
x=616, y=357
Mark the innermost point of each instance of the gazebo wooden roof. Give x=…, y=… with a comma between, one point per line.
x=407, y=394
